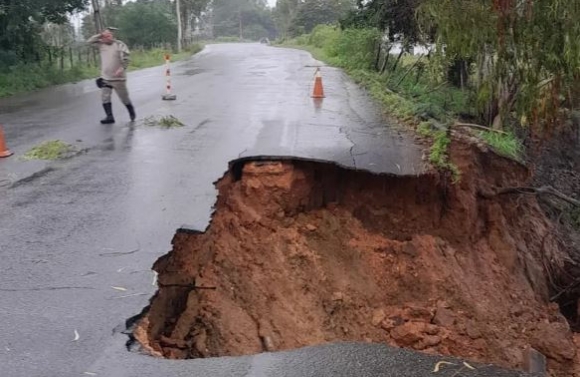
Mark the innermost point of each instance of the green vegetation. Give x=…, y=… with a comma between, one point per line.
x=404, y=92
x=242, y=20
x=39, y=46
x=425, y=129
x=407, y=93
x=166, y=122
x=438, y=156
x=51, y=150
x=227, y=39
x=151, y=58
x=501, y=64
x=296, y=17
x=29, y=77
x=24, y=78
x=506, y=144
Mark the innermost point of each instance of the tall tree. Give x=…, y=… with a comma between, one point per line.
x=242, y=18
x=284, y=14
x=395, y=17
x=316, y=12
x=527, y=53
x=191, y=10
x=147, y=24
x=21, y=25
x=143, y=23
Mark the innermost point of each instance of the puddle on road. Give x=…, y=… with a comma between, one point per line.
x=192, y=72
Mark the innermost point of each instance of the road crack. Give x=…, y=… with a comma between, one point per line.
x=41, y=289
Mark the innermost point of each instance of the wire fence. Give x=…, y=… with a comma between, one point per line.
x=84, y=55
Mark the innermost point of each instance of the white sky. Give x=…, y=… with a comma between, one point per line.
x=272, y=2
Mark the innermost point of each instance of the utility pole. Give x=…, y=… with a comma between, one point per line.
x=241, y=25
x=179, y=29
x=97, y=15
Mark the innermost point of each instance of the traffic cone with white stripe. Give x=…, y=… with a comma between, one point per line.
x=318, y=91
x=4, y=151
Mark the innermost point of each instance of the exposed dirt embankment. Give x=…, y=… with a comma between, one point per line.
x=301, y=253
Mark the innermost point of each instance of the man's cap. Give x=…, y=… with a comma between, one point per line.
x=112, y=28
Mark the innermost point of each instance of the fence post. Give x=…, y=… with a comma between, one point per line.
x=62, y=59
x=168, y=96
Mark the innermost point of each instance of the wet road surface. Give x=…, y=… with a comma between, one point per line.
x=78, y=237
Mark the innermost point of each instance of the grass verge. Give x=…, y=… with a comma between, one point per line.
x=506, y=144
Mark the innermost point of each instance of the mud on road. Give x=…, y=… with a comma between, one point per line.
x=301, y=253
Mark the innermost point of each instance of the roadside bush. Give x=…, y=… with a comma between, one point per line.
x=28, y=77
x=356, y=48
x=223, y=39
x=323, y=36
x=151, y=58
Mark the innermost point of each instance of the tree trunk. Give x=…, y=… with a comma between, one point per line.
x=241, y=26
x=409, y=70
x=420, y=72
x=378, y=57
x=97, y=16
x=386, y=61
x=457, y=75
x=398, y=60
x=179, y=25
x=62, y=59
x=188, y=27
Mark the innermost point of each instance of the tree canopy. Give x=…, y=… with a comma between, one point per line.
x=21, y=24
x=521, y=56
x=249, y=19
x=527, y=53
x=147, y=24
x=295, y=17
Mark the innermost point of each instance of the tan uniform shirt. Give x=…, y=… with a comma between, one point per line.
x=113, y=57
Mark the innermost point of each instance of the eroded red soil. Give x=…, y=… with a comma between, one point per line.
x=301, y=253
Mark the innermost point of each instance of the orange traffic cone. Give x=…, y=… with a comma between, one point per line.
x=4, y=152
x=318, y=90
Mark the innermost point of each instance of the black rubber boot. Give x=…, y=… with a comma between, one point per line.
x=131, y=112
x=109, y=111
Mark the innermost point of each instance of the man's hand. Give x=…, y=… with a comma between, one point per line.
x=119, y=72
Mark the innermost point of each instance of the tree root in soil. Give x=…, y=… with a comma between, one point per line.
x=547, y=190
x=572, y=284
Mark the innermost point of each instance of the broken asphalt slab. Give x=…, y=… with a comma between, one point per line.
x=330, y=360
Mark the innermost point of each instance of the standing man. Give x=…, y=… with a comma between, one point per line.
x=114, y=63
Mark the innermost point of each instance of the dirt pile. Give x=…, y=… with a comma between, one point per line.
x=301, y=253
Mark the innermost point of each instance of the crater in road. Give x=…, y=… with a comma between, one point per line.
x=303, y=252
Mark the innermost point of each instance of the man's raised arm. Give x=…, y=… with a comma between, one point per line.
x=94, y=39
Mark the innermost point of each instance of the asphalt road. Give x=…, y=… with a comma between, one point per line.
x=78, y=237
